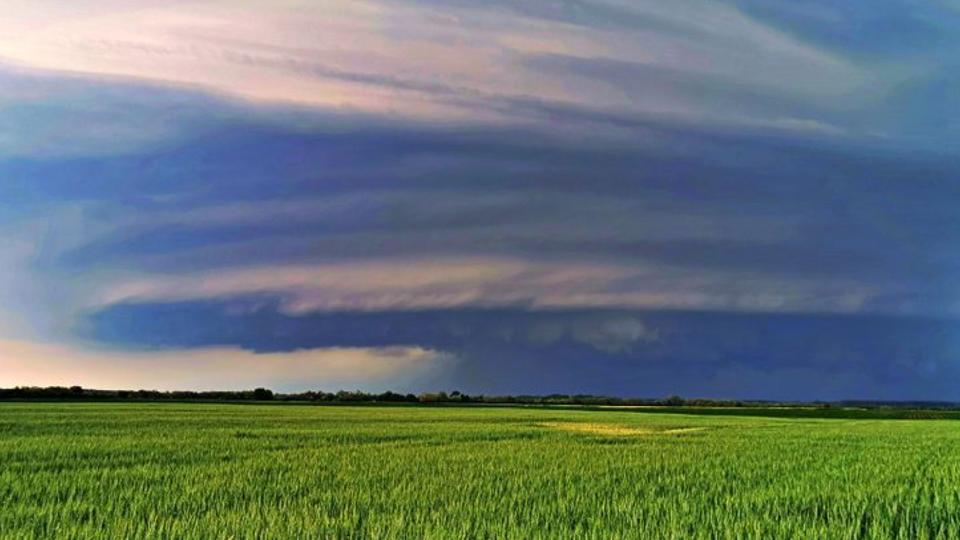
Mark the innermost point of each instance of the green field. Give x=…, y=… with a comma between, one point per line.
x=282, y=471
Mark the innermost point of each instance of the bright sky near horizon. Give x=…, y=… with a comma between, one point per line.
x=710, y=198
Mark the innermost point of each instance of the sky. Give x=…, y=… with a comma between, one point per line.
x=735, y=199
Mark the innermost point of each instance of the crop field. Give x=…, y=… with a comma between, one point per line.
x=125, y=470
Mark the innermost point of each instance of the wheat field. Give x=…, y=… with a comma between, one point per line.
x=192, y=471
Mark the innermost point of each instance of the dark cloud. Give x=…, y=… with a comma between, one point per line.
x=633, y=353
x=743, y=207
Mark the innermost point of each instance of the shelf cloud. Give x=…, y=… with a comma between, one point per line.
x=538, y=194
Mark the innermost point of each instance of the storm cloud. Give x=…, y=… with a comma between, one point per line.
x=712, y=198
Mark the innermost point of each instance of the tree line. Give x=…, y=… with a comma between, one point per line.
x=343, y=396
x=77, y=393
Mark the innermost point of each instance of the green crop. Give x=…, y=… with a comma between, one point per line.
x=187, y=471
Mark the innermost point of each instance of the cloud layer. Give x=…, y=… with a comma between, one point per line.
x=483, y=60
x=626, y=352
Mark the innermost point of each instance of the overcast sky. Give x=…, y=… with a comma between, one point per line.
x=746, y=199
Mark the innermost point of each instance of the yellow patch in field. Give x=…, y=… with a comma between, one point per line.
x=684, y=430
x=613, y=430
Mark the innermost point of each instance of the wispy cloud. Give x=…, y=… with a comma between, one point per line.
x=396, y=283
x=433, y=60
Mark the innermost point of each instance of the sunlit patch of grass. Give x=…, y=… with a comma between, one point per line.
x=606, y=430
x=684, y=430
x=614, y=430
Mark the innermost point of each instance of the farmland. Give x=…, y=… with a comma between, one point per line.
x=177, y=470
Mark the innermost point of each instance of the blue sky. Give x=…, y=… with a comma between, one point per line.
x=719, y=199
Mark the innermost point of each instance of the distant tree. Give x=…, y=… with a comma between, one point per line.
x=430, y=397
x=674, y=401
x=263, y=394
x=76, y=390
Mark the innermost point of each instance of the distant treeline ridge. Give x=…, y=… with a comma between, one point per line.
x=77, y=393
